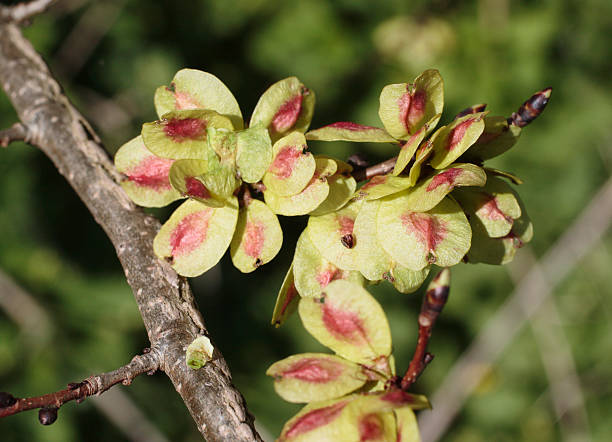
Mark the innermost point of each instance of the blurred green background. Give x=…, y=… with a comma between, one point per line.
x=110, y=56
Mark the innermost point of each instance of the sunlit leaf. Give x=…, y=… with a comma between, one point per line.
x=342, y=167
x=389, y=400
x=405, y=280
x=285, y=107
x=223, y=142
x=253, y=153
x=258, y=237
x=347, y=131
x=147, y=182
x=286, y=301
x=404, y=108
x=410, y=147
x=500, y=250
x=371, y=426
x=341, y=189
x=332, y=235
x=429, y=192
x=381, y=186
x=326, y=166
x=312, y=377
x=292, y=166
x=495, y=205
x=497, y=137
x=406, y=425
x=189, y=177
x=196, y=236
x=439, y=236
x=371, y=259
x=422, y=154
x=312, y=272
x=322, y=422
x=451, y=141
x=182, y=134
x=193, y=89
x=315, y=192
x=348, y=320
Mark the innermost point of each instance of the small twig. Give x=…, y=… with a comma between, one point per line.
x=244, y=196
x=50, y=403
x=23, y=11
x=17, y=132
x=433, y=302
x=377, y=169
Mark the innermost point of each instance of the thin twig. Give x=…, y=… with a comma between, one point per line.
x=433, y=302
x=17, y=132
x=145, y=363
x=34, y=321
x=24, y=11
x=499, y=332
x=372, y=171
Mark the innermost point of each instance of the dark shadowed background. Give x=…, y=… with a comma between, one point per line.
x=75, y=314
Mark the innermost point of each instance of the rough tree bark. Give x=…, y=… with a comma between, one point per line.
x=164, y=299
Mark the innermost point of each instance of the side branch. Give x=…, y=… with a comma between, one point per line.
x=377, y=169
x=50, y=403
x=433, y=303
x=17, y=132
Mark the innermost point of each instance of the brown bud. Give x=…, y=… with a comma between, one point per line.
x=6, y=399
x=47, y=416
x=531, y=108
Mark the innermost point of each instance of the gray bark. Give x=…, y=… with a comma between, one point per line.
x=164, y=299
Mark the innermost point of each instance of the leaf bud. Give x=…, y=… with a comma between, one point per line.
x=47, y=416
x=6, y=399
